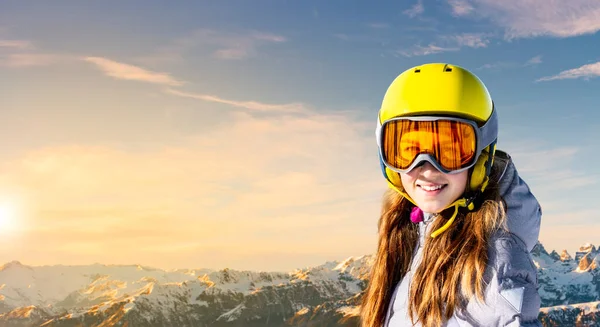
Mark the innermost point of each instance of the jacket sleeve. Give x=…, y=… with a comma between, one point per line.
x=524, y=212
x=511, y=295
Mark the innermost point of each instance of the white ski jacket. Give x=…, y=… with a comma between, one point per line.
x=511, y=295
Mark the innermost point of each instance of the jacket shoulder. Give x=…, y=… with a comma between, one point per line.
x=523, y=210
x=511, y=296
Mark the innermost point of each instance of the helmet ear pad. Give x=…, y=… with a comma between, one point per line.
x=479, y=172
x=394, y=178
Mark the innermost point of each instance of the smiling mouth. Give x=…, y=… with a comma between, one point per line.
x=432, y=188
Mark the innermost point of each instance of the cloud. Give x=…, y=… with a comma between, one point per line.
x=222, y=45
x=233, y=53
x=232, y=45
x=378, y=25
x=415, y=10
x=530, y=18
x=534, y=61
x=511, y=64
x=252, y=105
x=499, y=65
x=129, y=72
x=460, y=7
x=267, y=37
x=291, y=183
x=16, y=44
x=419, y=50
x=472, y=40
x=22, y=53
x=549, y=172
x=447, y=43
x=18, y=60
x=541, y=162
x=586, y=72
x=559, y=187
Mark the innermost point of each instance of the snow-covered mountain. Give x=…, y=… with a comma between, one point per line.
x=567, y=280
x=326, y=295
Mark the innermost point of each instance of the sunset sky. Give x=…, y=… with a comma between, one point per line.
x=240, y=134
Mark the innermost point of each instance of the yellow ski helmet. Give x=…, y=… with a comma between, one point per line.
x=442, y=89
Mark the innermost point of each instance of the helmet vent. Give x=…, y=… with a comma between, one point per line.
x=448, y=69
x=417, y=70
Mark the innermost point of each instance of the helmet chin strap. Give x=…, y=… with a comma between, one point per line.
x=462, y=202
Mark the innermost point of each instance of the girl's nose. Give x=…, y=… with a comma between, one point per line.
x=427, y=168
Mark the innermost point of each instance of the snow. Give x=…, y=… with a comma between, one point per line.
x=77, y=287
x=43, y=285
x=23, y=312
x=587, y=247
x=560, y=279
x=81, y=289
x=232, y=314
x=349, y=310
x=96, y=288
x=129, y=306
x=585, y=307
x=245, y=281
x=565, y=256
x=303, y=311
x=357, y=267
x=567, y=275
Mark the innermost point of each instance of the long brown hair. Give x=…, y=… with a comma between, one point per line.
x=452, y=266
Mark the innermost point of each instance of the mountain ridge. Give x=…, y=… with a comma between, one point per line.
x=324, y=295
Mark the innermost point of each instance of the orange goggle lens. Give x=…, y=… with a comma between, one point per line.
x=453, y=144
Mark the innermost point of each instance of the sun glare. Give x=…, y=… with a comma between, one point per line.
x=7, y=218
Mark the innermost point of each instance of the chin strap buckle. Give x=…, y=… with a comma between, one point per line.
x=471, y=202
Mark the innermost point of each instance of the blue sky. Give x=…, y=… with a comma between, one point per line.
x=241, y=134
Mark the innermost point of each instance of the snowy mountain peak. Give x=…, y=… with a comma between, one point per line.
x=355, y=266
x=539, y=250
x=589, y=261
x=587, y=247
x=565, y=256
x=350, y=262
x=135, y=295
x=14, y=265
x=30, y=312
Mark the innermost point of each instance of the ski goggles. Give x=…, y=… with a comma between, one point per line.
x=450, y=144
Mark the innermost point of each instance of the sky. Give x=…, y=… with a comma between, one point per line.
x=240, y=134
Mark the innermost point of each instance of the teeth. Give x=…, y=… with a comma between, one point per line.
x=431, y=188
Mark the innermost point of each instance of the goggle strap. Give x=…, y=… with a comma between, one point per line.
x=489, y=131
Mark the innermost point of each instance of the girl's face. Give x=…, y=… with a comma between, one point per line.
x=433, y=190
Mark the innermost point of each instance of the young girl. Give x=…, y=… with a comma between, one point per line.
x=458, y=224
